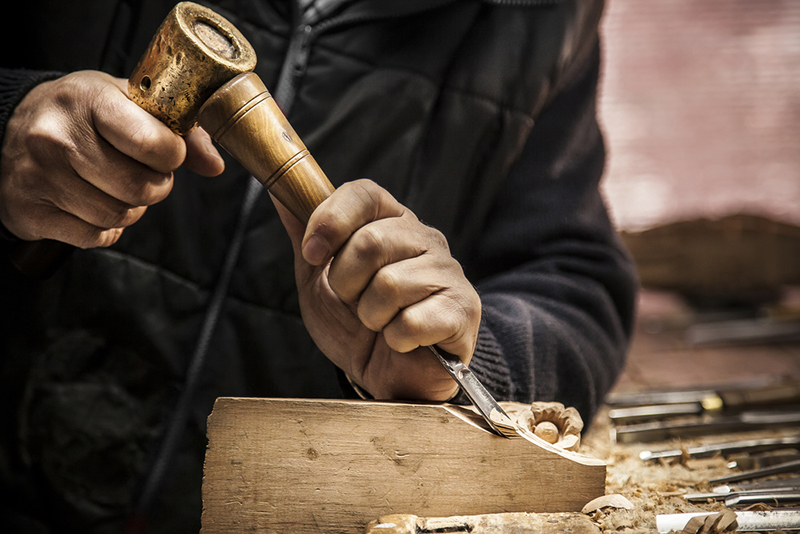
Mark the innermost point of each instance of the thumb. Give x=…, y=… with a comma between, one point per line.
x=202, y=156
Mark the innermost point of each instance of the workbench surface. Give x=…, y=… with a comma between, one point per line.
x=662, y=357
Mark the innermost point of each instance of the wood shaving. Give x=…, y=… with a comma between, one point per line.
x=607, y=501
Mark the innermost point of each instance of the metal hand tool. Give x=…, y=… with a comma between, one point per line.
x=483, y=401
x=774, y=498
x=705, y=451
x=759, y=461
x=751, y=420
x=778, y=483
x=725, y=495
x=669, y=404
x=788, y=467
x=748, y=521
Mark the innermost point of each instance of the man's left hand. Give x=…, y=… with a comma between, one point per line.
x=376, y=287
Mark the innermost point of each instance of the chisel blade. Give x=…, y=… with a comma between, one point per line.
x=483, y=401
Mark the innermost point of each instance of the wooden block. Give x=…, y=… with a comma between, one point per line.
x=516, y=523
x=284, y=465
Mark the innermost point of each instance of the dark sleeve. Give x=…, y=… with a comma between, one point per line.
x=14, y=85
x=557, y=287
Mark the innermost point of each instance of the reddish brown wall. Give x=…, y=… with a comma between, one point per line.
x=700, y=105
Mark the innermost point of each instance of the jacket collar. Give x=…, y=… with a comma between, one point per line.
x=378, y=9
x=395, y=8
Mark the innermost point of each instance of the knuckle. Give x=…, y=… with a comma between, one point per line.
x=93, y=237
x=435, y=238
x=145, y=189
x=342, y=286
x=70, y=91
x=366, y=187
x=48, y=139
x=410, y=323
x=119, y=217
x=369, y=318
x=161, y=150
x=396, y=338
x=387, y=285
x=363, y=185
x=368, y=244
x=371, y=194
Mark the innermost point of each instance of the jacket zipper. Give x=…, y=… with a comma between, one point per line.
x=294, y=66
x=299, y=50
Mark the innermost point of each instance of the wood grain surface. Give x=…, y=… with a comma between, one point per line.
x=278, y=465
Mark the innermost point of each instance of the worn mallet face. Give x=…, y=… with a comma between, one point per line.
x=194, y=52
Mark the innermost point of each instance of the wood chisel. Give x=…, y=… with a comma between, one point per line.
x=759, y=461
x=483, y=401
x=663, y=430
x=778, y=483
x=643, y=407
x=731, y=447
x=788, y=467
x=734, y=496
x=748, y=521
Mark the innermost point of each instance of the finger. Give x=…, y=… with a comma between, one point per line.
x=120, y=176
x=72, y=230
x=82, y=199
x=438, y=320
x=134, y=132
x=202, y=156
x=374, y=246
x=350, y=207
x=398, y=286
x=413, y=375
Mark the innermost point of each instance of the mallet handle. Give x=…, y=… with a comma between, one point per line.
x=246, y=121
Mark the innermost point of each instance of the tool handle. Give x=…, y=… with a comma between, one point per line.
x=777, y=394
x=246, y=121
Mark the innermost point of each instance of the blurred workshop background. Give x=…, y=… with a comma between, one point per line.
x=700, y=107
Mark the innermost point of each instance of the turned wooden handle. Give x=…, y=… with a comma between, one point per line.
x=246, y=121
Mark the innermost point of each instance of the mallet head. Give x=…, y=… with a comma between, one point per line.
x=194, y=52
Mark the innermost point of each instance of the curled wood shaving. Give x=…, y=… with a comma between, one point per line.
x=724, y=521
x=541, y=417
x=607, y=501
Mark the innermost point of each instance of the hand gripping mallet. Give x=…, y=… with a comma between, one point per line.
x=198, y=70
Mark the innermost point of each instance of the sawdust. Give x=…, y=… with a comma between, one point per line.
x=655, y=487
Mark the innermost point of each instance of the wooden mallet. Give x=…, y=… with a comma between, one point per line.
x=198, y=70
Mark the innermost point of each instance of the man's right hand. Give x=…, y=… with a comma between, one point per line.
x=80, y=161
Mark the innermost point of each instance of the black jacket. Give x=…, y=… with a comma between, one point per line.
x=478, y=115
